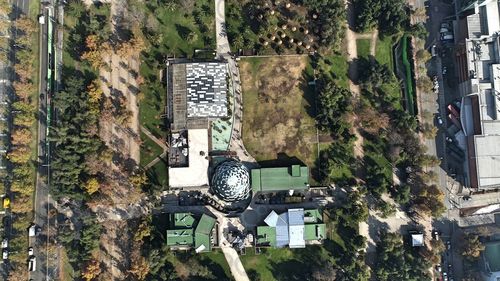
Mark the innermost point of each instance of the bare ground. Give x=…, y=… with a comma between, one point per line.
x=277, y=113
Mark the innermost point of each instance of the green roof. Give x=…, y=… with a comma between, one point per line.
x=266, y=235
x=203, y=232
x=314, y=231
x=492, y=255
x=178, y=237
x=280, y=179
x=182, y=220
x=312, y=216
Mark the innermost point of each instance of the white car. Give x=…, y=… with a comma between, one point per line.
x=439, y=120
x=31, y=251
x=32, y=264
x=5, y=243
x=5, y=254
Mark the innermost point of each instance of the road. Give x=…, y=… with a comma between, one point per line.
x=40, y=243
x=437, y=12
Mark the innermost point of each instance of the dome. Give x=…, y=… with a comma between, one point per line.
x=231, y=181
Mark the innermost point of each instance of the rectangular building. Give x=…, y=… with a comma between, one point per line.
x=185, y=231
x=295, y=177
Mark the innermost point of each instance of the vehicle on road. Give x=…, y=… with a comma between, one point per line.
x=31, y=252
x=435, y=234
x=5, y=243
x=438, y=268
x=6, y=202
x=445, y=276
x=439, y=120
x=445, y=25
x=32, y=230
x=445, y=70
x=448, y=139
x=32, y=264
x=448, y=245
x=5, y=254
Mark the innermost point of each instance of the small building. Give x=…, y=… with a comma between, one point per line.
x=185, y=231
x=491, y=258
x=294, y=228
x=188, y=163
x=417, y=239
x=291, y=178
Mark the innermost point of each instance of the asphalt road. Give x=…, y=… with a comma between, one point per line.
x=40, y=242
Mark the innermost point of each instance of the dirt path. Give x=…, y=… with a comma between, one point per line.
x=373, y=43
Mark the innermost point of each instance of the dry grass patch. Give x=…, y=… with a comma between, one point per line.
x=278, y=108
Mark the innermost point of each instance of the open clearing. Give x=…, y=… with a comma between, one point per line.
x=278, y=105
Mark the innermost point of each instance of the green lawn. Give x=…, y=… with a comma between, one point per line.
x=363, y=47
x=158, y=174
x=284, y=264
x=219, y=266
x=151, y=108
x=336, y=65
x=182, y=31
x=383, y=51
x=149, y=150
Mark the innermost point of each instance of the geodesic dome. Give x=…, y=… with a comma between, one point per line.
x=231, y=181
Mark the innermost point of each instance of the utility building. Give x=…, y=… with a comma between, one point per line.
x=185, y=231
x=294, y=228
x=291, y=178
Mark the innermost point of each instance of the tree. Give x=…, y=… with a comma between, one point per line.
x=26, y=25
x=333, y=102
x=192, y=37
x=92, y=270
x=144, y=230
x=140, y=269
x=472, y=247
x=21, y=137
x=91, y=186
x=138, y=178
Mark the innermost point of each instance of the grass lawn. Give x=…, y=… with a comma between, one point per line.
x=151, y=109
x=158, y=174
x=278, y=125
x=219, y=267
x=283, y=264
x=383, y=51
x=336, y=65
x=363, y=46
x=181, y=33
x=149, y=150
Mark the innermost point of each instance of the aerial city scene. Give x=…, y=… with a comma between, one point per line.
x=250, y=140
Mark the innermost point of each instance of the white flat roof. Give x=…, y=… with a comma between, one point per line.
x=488, y=160
x=196, y=174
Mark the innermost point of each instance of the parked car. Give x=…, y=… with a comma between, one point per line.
x=435, y=234
x=32, y=230
x=5, y=243
x=445, y=25
x=438, y=268
x=32, y=264
x=439, y=120
x=31, y=252
x=6, y=202
x=448, y=245
x=445, y=70
x=5, y=254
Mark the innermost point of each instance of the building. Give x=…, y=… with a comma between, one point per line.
x=417, y=239
x=196, y=92
x=291, y=178
x=294, y=228
x=231, y=181
x=491, y=258
x=478, y=60
x=186, y=232
x=188, y=159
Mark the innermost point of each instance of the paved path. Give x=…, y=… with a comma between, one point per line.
x=223, y=52
x=236, y=144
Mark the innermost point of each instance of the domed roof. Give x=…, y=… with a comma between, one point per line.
x=231, y=181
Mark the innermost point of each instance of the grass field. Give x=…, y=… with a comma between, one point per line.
x=180, y=31
x=336, y=65
x=283, y=264
x=363, y=46
x=278, y=125
x=149, y=150
x=158, y=174
x=383, y=51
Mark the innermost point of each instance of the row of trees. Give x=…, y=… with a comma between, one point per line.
x=334, y=106
x=22, y=139
x=397, y=260
x=389, y=16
